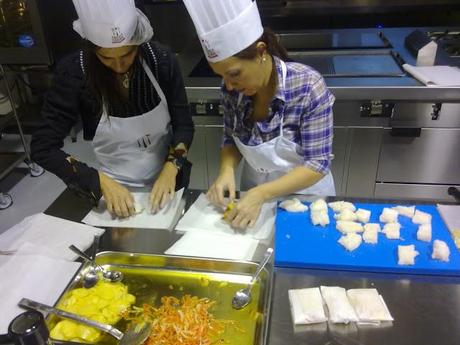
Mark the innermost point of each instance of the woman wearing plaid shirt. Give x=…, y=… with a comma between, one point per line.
x=277, y=117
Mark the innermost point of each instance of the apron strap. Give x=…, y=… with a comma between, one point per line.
x=283, y=82
x=157, y=87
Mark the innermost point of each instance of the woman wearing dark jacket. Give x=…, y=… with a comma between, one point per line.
x=129, y=94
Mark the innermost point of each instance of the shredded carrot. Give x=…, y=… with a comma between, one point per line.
x=187, y=321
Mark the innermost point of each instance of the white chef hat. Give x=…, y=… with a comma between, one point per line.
x=111, y=23
x=225, y=27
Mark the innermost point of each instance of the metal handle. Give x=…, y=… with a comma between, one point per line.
x=27, y=303
x=261, y=266
x=81, y=253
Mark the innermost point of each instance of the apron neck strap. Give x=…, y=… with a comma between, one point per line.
x=157, y=87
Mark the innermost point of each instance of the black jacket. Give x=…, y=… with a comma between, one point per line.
x=69, y=100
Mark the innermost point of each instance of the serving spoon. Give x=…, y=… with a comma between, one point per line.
x=243, y=296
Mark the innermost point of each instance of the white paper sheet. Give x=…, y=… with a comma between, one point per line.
x=146, y=220
x=209, y=245
x=31, y=276
x=203, y=216
x=48, y=235
x=435, y=75
x=451, y=216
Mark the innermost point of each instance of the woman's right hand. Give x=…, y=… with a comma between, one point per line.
x=224, y=182
x=119, y=200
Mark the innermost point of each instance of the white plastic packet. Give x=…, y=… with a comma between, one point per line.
x=340, y=309
x=369, y=305
x=306, y=306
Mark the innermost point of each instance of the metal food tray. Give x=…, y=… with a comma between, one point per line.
x=149, y=277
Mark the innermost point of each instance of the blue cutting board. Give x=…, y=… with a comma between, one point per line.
x=298, y=243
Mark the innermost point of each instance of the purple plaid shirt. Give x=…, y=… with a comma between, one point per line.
x=304, y=104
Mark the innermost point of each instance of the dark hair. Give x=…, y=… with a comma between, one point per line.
x=102, y=81
x=274, y=47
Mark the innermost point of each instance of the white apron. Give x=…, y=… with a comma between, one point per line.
x=133, y=150
x=273, y=159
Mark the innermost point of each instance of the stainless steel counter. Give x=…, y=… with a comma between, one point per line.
x=426, y=308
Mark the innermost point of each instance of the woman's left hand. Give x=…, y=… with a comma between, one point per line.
x=247, y=209
x=163, y=188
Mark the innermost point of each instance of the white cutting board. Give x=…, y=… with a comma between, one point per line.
x=203, y=216
x=163, y=219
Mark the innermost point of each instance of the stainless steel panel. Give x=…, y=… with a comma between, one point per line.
x=363, y=163
x=413, y=191
x=213, y=143
x=430, y=158
x=197, y=155
x=339, y=163
x=420, y=115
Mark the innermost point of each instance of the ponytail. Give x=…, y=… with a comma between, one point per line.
x=274, y=47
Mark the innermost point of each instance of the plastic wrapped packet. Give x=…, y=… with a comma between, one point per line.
x=306, y=306
x=369, y=305
x=340, y=309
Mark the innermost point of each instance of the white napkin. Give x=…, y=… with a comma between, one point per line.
x=427, y=55
x=31, y=276
x=306, y=306
x=369, y=305
x=48, y=235
x=435, y=75
x=210, y=245
x=163, y=219
x=203, y=216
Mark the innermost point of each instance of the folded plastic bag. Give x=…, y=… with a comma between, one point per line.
x=306, y=306
x=340, y=309
x=369, y=305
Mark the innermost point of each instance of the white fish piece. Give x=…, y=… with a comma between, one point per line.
x=373, y=226
x=306, y=306
x=441, y=251
x=421, y=217
x=406, y=211
x=339, y=206
x=340, y=309
x=371, y=233
x=363, y=215
x=389, y=216
x=406, y=255
x=293, y=205
x=350, y=241
x=392, y=231
x=138, y=208
x=318, y=205
x=424, y=232
x=346, y=214
x=319, y=218
x=345, y=226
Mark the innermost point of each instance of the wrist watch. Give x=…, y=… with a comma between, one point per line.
x=178, y=162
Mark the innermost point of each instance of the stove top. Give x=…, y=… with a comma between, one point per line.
x=448, y=40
